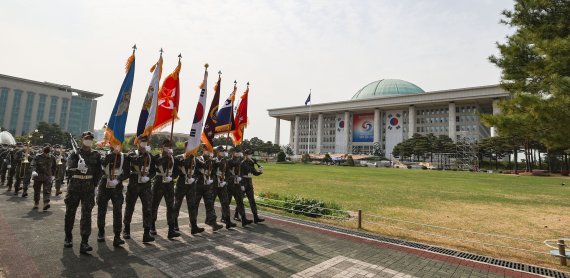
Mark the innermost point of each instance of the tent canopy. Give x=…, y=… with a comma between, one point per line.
x=7, y=138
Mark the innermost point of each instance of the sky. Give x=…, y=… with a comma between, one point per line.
x=283, y=48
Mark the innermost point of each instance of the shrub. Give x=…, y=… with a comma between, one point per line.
x=306, y=158
x=281, y=156
x=350, y=161
x=424, y=167
x=298, y=205
x=327, y=158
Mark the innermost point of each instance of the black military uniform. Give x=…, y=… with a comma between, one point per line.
x=13, y=162
x=116, y=170
x=163, y=186
x=24, y=170
x=220, y=185
x=186, y=187
x=60, y=160
x=4, y=161
x=84, y=167
x=43, y=168
x=234, y=188
x=247, y=171
x=204, y=189
x=141, y=171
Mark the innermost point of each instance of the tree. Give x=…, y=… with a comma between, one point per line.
x=281, y=156
x=288, y=150
x=535, y=64
x=49, y=133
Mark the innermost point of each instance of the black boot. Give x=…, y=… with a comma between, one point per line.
x=127, y=231
x=84, y=247
x=153, y=230
x=46, y=205
x=236, y=216
x=117, y=241
x=245, y=222
x=176, y=228
x=257, y=219
x=172, y=233
x=195, y=229
x=229, y=224
x=68, y=242
x=25, y=193
x=146, y=236
x=101, y=235
x=215, y=226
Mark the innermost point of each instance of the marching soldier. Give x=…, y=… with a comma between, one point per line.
x=23, y=171
x=186, y=187
x=247, y=171
x=164, y=187
x=220, y=185
x=43, y=168
x=4, y=160
x=84, y=167
x=61, y=160
x=13, y=163
x=234, y=187
x=116, y=171
x=204, y=165
x=141, y=170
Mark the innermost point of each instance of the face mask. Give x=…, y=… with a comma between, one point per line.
x=224, y=154
x=87, y=143
x=143, y=144
x=117, y=149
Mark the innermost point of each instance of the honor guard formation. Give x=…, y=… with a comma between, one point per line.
x=97, y=177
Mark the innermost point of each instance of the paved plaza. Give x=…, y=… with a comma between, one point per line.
x=31, y=245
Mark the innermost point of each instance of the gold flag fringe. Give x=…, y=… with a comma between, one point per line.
x=129, y=62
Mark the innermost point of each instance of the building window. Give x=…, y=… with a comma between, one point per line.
x=28, y=112
x=63, y=114
x=79, y=114
x=41, y=108
x=52, y=109
x=15, y=111
x=3, y=104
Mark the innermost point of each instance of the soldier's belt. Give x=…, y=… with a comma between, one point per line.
x=82, y=177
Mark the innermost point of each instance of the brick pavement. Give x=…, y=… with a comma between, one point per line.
x=31, y=245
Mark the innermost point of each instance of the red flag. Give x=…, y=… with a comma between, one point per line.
x=168, y=99
x=240, y=118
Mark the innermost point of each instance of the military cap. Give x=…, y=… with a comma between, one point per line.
x=19, y=144
x=87, y=134
x=220, y=149
x=247, y=152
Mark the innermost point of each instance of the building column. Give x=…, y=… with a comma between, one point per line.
x=291, y=133
x=296, y=136
x=277, y=131
x=411, y=121
x=319, y=134
x=377, y=126
x=451, y=121
x=496, y=111
x=347, y=131
x=8, y=111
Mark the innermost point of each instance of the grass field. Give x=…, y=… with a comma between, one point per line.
x=534, y=208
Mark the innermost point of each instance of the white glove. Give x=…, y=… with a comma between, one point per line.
x=114, y=182
x=209, y=181
x=34, y=174
x=222, y=184
x=261, y=170
x=167, y=179
x=243, y=188
x=52, y=178
x=9, y=167
x=145, y=179
x=238, y=179
x=147, y=148
x=191, y=180
x=170, y=151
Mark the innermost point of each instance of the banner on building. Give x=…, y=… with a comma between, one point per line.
x=394, y=133
x=363, y=127
x=340, y=138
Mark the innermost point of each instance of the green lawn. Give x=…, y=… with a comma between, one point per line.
x=523, y=206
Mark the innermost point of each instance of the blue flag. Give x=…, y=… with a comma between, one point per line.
x=308, y=99
x=225, y=115
x=115, y=132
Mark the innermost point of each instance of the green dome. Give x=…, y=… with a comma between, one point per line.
x=386, y=88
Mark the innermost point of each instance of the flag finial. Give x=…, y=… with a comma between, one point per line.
x=134, y=48
x=248, y=83
x=179, y=57
x=235, y=82
x=161, y=51
x=220, y=72
x=206, y=65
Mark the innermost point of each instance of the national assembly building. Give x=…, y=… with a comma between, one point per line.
x=24, y=103
x=386, y=112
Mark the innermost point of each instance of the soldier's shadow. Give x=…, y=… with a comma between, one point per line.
x=37, y=214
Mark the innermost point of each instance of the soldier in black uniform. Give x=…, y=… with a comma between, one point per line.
x=247, y=171
x=220, y=185
x=84, y=167
x=115, y=171
x=13, y=164
x=141, y=170
x=43, y=168
x=60, y=160
x=4, y=160
x=204, y=189
x=234, y=186
x=24, y=170
x=186, y=187
x=163, y=186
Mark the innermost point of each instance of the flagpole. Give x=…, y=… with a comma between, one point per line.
x=310, y=106
x=231, y=118
x=173, y=116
